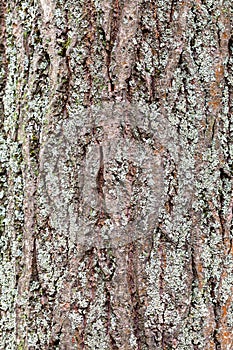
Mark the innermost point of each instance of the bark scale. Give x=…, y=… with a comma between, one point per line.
x=170, y=288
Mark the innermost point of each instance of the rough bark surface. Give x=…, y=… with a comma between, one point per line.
x=63, y=65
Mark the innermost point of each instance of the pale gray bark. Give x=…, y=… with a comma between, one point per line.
x=127, y=96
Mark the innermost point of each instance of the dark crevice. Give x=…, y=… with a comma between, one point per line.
x=65, y=54
x=194, y=276
x=128, y=89
x=138, y=322
x=216, y=309
x=113, y=343
x=34, y=272
x=230, y=45
x=224, y=176
x=219, y=38
x=216, y=341
x=115, y=16
x=56, y=342
x=108, y=63
x=173, y=4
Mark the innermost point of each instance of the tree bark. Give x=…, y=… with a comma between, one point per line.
x=116, y=174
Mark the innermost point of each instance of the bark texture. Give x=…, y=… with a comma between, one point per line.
x=64, y=66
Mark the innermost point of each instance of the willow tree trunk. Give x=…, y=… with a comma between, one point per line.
x=116, y=174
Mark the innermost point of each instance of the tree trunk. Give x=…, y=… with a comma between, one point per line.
x=116, y=174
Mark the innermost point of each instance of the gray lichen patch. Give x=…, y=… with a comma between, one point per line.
x=102, y=174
